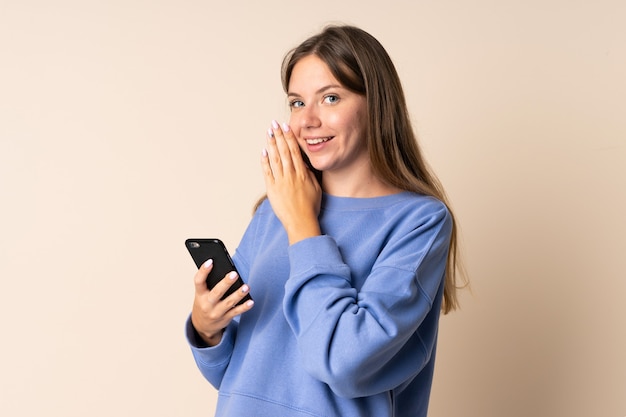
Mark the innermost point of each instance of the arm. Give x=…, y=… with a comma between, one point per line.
x=211, y=327
x=212, y=361
x=370, y=341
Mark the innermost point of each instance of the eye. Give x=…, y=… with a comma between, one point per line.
x=295, y=104
x=331, y=99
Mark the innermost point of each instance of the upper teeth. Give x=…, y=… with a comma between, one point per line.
x=316, y=141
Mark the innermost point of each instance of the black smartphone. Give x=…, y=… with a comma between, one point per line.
x=202, y=250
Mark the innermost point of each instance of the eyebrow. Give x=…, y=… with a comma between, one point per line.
x=319, y=91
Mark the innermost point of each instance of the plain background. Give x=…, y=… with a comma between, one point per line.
x=128, y=126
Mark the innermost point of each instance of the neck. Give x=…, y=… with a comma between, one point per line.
x=363, y=188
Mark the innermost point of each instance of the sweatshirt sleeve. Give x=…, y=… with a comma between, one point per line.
x=212, y=361
x=375, y=339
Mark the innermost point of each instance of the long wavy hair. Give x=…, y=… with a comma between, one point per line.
x=361, y=64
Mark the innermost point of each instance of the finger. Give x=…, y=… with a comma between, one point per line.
x=201, y=275
x=294, y=148
x=240, y=309
x=233, y=299
x=267, y=169
x=273, y=155
x=217, y=292
x=287, y=144
x=227, y=307
x=282, y=147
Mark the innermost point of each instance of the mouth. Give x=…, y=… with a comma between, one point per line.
x=317, y=141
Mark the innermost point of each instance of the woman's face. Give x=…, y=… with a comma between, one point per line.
x=328, y=120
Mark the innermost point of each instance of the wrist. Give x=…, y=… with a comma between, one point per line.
x=297, y=233
x=204, y=339
x=213, y=339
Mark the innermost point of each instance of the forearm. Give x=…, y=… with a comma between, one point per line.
x=329, y=317
x=302, y=228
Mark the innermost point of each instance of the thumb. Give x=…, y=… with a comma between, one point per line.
x=200, y=278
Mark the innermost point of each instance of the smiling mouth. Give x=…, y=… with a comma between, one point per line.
x=317, y=141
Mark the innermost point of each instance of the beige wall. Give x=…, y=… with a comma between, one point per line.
x=128, y=126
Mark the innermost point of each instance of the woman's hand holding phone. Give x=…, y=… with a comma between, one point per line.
x=210, y=313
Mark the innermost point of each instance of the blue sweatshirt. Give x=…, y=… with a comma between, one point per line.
x=344, y=324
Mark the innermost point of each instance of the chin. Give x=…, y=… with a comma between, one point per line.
x=317, y=166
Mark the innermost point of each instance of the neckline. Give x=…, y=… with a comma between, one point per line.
x=332, y=202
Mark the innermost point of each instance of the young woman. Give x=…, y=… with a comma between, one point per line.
x=350, y=258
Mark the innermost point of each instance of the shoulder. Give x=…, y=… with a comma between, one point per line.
x=401, y=211
x=263, y=205
x=263, y=211
x=414, y=201
x=419, y=208
x=418, y=233
x=419, y=221
x=263, y=220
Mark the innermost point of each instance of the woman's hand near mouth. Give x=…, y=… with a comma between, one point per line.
x=293, y=191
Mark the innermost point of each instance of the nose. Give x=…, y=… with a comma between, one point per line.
x=306, y=117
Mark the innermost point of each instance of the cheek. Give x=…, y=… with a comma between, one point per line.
x=335, y=119
x=294, y=125
x=292, y=120
x=347, y=120
x=360, y=123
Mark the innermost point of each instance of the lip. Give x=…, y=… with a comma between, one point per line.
x=316, y=141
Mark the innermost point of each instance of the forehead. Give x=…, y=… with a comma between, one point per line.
x=310, y=74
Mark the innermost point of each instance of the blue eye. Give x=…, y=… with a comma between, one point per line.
x=296, y=104
x=331, y=98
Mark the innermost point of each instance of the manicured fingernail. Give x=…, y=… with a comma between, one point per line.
x=208, y=263
x=249, y=303
x=270, y=133
x=274, y=124
x=285, y=127
x=232, y=275
x=244, y=288
x=264, y=152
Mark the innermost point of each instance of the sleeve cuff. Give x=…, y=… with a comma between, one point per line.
x=198, y=345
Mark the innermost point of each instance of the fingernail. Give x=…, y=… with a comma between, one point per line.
x=232, y=275
x=208, y=263
x=249, y=303
x=285, y=127
x=245, y=288
x=264, y=152
x=270, y=132
x=274, y=124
